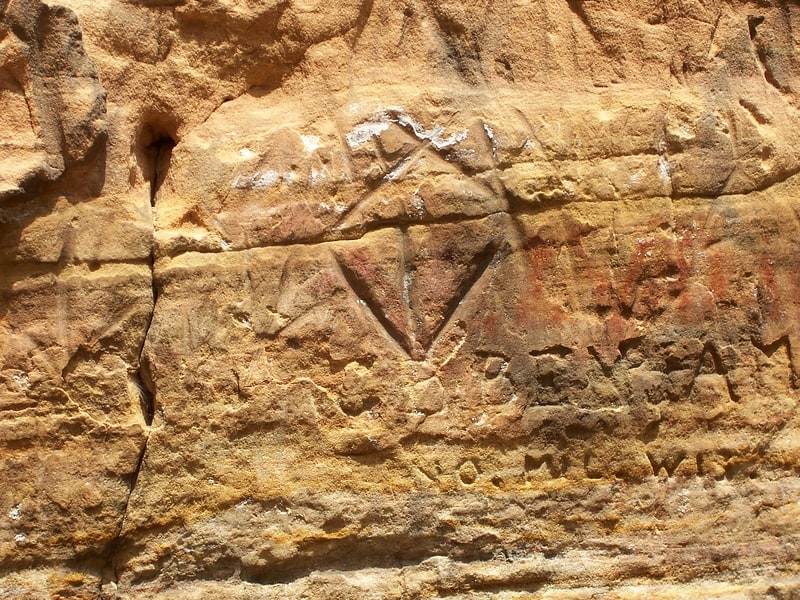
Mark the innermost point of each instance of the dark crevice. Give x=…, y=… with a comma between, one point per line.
x=142, y=377
x=161, y=152
x=604, y=366
x=534, y=463
x=752, y=25
x=155, y=140
x=711, y=361
x=627, y=345
x=669, y=463
x=770, y=349
x=556, y=350
x=576, y=7
x=462, y=46
x=762, y=52
x=143, y=381
x=112, y=568
x=768, y=74
x=144, y=386
x=361, y=21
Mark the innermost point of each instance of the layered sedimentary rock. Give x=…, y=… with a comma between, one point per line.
x=399, y=300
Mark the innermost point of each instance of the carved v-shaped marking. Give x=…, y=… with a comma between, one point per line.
x=412, y=281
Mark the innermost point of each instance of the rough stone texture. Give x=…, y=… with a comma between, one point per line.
x=372, y=299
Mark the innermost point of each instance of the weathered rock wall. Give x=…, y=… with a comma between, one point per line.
x=399, y=299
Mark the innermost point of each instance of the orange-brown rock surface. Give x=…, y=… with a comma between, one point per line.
x=396, y=300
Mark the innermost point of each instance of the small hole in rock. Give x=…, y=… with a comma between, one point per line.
x=154, y=144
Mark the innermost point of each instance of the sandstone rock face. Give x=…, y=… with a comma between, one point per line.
x=372, y=299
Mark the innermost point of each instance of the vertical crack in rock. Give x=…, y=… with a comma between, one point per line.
x=143, y=381
x=155, y=149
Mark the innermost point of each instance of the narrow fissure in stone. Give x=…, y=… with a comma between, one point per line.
x=153, y=151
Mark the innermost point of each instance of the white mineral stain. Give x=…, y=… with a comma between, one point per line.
x=19, y=538
x=408, y=280
x=22, y=382
x=434, y=135
x=490, y=135
x=310, y=142
x=417, y=206
x=380, y=122
x=246, y=153
x=664, y=170
x=263, y=179
x=14, y=513
x=397, y=171
x=318, y=175
x=636, y=177
x=363, y=132
x=605, y=115
x=254, y=181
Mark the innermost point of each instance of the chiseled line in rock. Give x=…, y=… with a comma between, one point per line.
x=489, y=255
x=401, y=167
x=385, y=324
